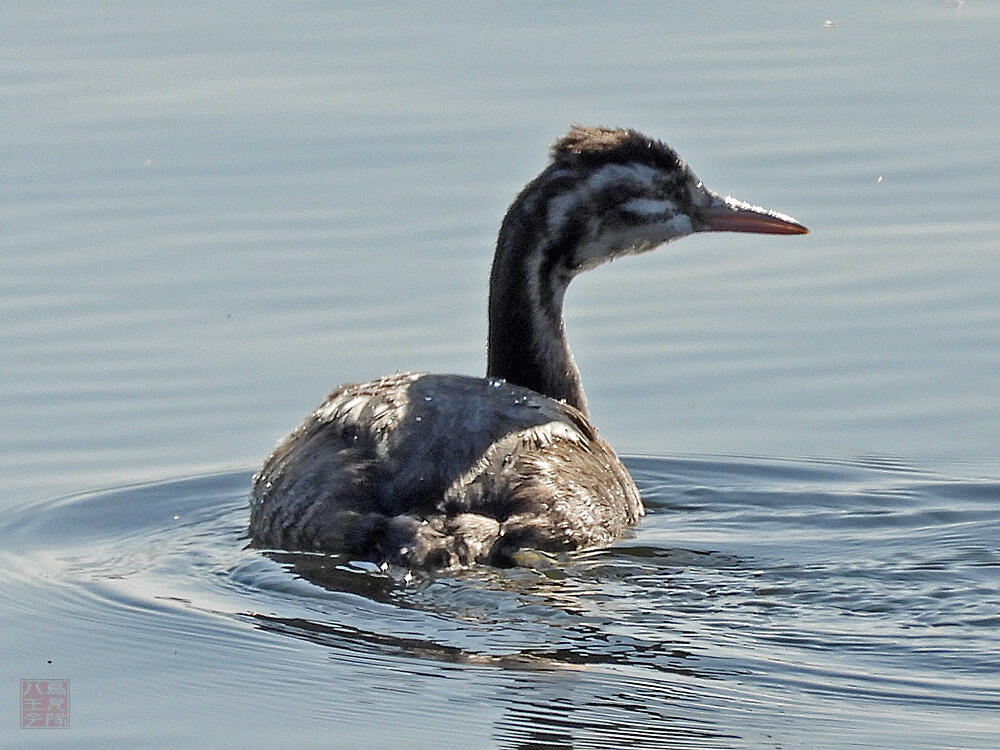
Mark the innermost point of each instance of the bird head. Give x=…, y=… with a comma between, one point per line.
x=609, y=193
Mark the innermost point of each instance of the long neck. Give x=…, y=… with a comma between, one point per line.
x=527, y=338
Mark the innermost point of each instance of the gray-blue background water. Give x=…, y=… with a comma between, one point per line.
x=214, y=213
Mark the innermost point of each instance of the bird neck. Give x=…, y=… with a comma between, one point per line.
x=527, y=337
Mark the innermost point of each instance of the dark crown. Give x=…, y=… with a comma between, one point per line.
x=594, y=146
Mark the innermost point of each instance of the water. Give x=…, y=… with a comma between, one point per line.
x=761, y=604
x=213, y=215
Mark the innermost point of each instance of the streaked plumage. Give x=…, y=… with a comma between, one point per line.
x=435, y=471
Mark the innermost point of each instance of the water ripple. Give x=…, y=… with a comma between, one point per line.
x=753, y=591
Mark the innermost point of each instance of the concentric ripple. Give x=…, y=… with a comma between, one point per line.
x=760, y=602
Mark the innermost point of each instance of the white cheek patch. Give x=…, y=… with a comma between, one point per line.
x=649, y=207
x=654, y=220
x=620, y=241
x=562, y=206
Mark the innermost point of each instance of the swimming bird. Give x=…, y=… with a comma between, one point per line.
x=437, y=471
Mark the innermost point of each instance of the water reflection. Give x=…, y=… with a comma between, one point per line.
x=581, y=690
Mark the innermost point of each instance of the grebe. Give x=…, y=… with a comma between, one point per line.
x=437, y=471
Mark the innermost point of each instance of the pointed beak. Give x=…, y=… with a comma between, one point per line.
x=731, y=215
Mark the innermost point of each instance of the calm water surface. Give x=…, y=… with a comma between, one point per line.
x=213, y=214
